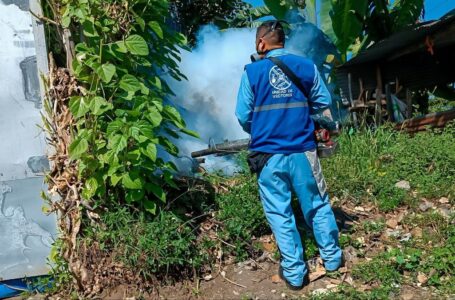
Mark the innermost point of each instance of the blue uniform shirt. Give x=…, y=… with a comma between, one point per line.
x=317, y=98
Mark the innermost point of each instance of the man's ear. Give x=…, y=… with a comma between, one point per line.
x=261, y=45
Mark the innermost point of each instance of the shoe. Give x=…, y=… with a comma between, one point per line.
x=340, y=266
x=306, y=281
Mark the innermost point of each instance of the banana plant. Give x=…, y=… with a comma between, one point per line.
x=278, y=9
x=352, y=25
x=360, y=23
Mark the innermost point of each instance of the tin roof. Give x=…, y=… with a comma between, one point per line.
x=407, y=37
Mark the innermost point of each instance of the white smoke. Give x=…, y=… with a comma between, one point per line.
x=208, y=98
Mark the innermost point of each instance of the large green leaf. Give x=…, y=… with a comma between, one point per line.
x=150, y=206
x=79, y=106
x=142, y=127
x=90, y=187
x=156, y=28
x=114, y=127
x=150, y=151
x=405, y=13
x=132, y=181
x=154, y=116
x=106, y=72
x=137, y=45
x=130, y=83
x=117, y=143
x=191, y=133
x=157, y=191
x=88, y=28
x=168, y=146
x=345, y=21
x=278, y=8
x=115, y=178
x=310, y=11
x=325, y=21
x=78, y=147
x=98, y=105
x=173, y=114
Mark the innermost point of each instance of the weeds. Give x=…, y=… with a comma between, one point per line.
x=241, y=212
x=373, y=226
x=370, y=163
x=156, y=246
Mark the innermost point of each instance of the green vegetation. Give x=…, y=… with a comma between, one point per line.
x=122, y=117
x=351, y=25
x=154, y=246
x=124, y=207
x=370, y=163
x=111, y=122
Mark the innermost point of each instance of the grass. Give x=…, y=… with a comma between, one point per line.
x=370, y=163
x=364, y=171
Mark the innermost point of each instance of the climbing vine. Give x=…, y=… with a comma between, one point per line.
x=108, y=119
x=122, y=51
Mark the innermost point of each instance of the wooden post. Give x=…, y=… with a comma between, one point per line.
x=388, y=94
x=351, y=101
x=378, y=106
x=408, y=104
x=40, y=44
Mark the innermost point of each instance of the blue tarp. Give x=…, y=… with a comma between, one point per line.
x=14, y=287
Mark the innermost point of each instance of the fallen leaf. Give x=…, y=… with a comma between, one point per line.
x=359, y=208
x=269, y=247
x=316, y=275
x=276, y=279
x=343, y=270
x=444, y=200
x=349, y=280
x=392, y=223
x=208, y=277
x=422, y=278
x=417, y=232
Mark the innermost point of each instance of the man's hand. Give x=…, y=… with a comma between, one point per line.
x=327, y=113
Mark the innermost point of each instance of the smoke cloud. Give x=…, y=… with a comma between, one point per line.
x=208, y=98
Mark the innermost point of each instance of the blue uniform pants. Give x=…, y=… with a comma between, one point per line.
x=300, y=172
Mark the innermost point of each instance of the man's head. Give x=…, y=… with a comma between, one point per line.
x=269, y=35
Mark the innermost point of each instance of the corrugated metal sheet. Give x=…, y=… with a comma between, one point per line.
x=407, y=57
x=400, y=40
x=26, y=234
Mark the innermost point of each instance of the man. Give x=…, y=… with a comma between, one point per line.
x=277, y=115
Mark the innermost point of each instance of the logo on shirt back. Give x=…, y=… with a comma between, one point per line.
x=280, y=82
x=278, y=79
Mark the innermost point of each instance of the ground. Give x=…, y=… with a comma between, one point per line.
x=371, y=231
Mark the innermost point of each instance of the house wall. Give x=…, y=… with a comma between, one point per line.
x=26, y=234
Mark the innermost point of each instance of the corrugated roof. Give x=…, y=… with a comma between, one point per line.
x=399, y=40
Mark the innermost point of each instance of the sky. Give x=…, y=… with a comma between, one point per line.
x=434, y=9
